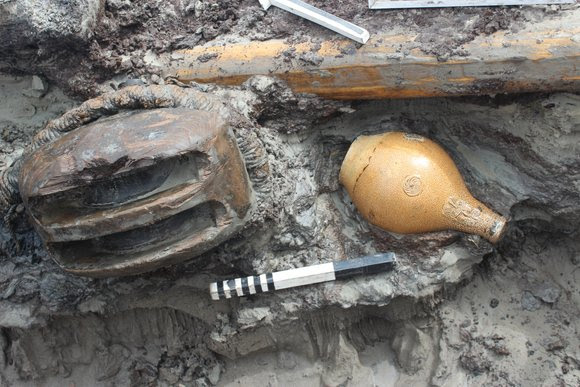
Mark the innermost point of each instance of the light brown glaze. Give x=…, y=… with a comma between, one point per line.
x=137, y=191
x=406, y=183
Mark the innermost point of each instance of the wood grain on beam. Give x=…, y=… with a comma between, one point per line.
x=392, y=66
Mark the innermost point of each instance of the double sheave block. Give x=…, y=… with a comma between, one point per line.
x=137, y=191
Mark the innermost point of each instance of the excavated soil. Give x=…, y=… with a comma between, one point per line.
x=456, y=311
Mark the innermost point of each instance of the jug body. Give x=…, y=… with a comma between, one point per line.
x=406, y=183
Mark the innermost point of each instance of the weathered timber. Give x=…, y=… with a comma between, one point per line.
x=544, y=57
x=137, y=191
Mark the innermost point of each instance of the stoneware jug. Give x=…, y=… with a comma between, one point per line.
x=406, y=183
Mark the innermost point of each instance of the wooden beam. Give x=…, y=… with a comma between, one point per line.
x=544, y=57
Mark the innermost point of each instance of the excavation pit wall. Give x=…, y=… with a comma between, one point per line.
x=456, y=310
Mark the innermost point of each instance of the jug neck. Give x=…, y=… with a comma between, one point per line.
x=470, y=215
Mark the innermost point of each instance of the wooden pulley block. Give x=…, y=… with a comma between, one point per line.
x=137, y=191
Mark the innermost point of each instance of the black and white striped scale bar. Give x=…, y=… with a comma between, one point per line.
x=308, y=275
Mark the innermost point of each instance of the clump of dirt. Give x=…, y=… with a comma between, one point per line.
x=443, y=35
x=440, y=31
x=281, y=109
